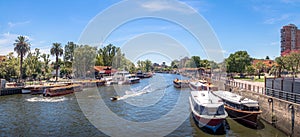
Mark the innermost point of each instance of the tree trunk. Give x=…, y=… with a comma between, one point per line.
x=56, y=68
x=259, y=74
x=21, y=63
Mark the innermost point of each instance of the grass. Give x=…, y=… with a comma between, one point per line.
x=256, y=79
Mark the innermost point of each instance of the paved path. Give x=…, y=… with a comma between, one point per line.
x=260, y=84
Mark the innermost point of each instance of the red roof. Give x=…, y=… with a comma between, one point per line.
x=104, y=69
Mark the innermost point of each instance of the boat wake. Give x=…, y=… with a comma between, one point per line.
x=138, y=92
x=45, y=99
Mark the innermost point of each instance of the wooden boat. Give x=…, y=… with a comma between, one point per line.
x=241, y=109
x=207, y=110
x=58, y=91
x=180, y=83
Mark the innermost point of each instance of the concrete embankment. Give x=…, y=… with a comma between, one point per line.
x=282, y=114
x=10, y=91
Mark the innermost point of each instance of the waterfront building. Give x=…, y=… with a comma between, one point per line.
x=2, y=58
x=290, y=39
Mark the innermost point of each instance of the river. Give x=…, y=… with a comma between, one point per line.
x=152, y=107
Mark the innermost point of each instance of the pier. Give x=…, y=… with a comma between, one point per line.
x=282, y=113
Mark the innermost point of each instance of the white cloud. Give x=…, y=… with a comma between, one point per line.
x=13, y=24
x=159, y=5
x=6, y=42
x=274, y=20
x=290, y=1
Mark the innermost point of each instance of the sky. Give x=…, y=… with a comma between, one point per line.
x=251, y=25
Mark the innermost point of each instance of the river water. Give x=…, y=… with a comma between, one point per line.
x=152, y=107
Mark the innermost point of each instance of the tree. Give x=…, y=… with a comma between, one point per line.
x=280, y=65
x=237, y=62
x=56, y=51
x=45, y=65
x=259, y=66
x=32, y=63
x=292, y=61
x=22, y=46
x=267, y=57
x=195, y=60
x=9, y=69
x=148, y=65
x=84, y=61
x=108, y=53
x=250, y=70
x=69, y=54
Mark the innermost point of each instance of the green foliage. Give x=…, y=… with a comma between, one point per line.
x=22, y=47
x=84, y=61
x=9, y=69
x=46, y=69
x=259, y=66
x=237, y=62
x=56, y=51
x=33, y=65
x=250, y=70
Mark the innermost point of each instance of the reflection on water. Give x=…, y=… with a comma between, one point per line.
x=28, y=115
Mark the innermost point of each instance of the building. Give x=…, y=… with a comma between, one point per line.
x=2, y=58
x=290, y=39
x=267, y=63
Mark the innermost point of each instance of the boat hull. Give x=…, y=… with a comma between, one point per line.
x=212, y=124
x=244, y=117
x=180, y=84
x=52, y=92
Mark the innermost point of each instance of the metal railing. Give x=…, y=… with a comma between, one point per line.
x=284, y=95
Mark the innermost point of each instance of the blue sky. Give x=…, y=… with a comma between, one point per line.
x=251, y=25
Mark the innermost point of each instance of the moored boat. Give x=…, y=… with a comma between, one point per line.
x=207, y=110
x=198, y=85
x=180, y=83
x=202, y=85
x=241, y=109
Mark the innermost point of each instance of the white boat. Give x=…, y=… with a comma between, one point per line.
x=124, y=77
x=207, y=110
x=27, y=89
x=198, y=85
x=202, y=85
x=240, y=108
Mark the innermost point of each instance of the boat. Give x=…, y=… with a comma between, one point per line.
x=58, y=91
x=240, y=108
x=114, y=98
x=141, y=75
x=207, y=110
x=123, y=77
x=180, y=83
x=131, y=79
x=27, y=89
x=198, y=85
x=202, y=85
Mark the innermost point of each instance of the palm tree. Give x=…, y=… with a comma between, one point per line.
x=56, y=51
x=22, y=46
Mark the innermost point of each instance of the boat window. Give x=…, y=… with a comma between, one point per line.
x=221, y=110
x=203, y=111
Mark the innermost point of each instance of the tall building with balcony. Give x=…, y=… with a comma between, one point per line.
x=290, y=39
